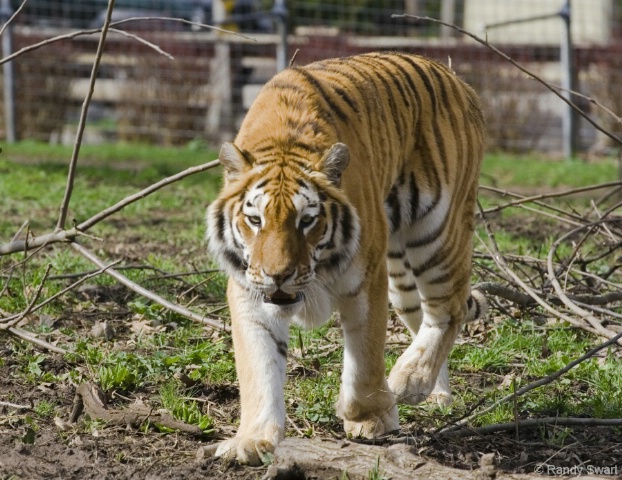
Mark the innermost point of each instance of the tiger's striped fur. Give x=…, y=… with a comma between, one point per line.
x=351, y=181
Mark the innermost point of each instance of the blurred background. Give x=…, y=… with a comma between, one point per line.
x=202, y=95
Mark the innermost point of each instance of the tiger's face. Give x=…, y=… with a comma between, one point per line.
x=279, y=228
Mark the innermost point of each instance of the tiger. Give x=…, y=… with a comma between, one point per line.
x=351, y=182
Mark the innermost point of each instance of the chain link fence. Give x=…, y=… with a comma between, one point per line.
x=201, y=94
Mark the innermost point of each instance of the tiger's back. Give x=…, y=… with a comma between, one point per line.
x=382, y=153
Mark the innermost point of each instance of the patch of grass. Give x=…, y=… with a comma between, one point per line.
x=537, y=172
x=183, y=409
x=153, y=347
x=45, y=408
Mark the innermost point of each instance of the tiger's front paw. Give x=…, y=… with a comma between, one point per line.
x=411, y=382
x=246, y=450
x=373, y=425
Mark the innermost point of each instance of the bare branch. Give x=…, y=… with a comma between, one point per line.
x=29, y=337
x=148, y=294
x=18, y=318
x=63, y=291
x=560, y=292
x=72, y=233
x=92, y=31
x=15, y=14
x=542, y=196
x=520, y=67
x=64, y=207
x=539, y=383
x=531, y=423
x=144, y=42
x=143, y=193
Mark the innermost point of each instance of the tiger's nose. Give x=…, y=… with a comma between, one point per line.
x=281, y=277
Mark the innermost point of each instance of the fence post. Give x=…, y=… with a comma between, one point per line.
x=7, y=70
x=220, y=111
x=279, y=12
x=569, y=121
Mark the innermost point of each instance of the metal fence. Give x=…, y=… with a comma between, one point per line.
x=203, y=92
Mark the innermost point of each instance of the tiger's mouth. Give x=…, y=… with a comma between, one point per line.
x=282, y=298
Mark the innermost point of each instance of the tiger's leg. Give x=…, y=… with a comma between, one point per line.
x=404, y=296
x=366, y=403
x=438, y=248
x=260, y=346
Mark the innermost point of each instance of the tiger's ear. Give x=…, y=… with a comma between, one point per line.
x=335, y=161
x=234, y=161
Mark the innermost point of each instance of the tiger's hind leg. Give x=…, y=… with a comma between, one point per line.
x=404, y=296
x=437, y=250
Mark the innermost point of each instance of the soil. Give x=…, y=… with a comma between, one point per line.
x=55, y=451
x=42, y=448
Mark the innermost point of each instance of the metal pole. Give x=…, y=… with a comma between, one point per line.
x=569, y=124
x=279, y=11
x=7, y=70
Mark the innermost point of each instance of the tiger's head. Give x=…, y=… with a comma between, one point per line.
x=279, y=227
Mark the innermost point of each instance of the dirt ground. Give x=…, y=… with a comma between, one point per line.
x=125, y=453
x=52, y=451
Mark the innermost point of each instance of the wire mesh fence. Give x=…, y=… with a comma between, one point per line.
x=204, y=91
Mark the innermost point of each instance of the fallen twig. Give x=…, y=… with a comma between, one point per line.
x=83, y=279
x=147, y=293
x=16, y=406
x=531, y=423
x=596, y=324
x=527, y=388
x=29, y=337
x=90, y=398
x=18, y=318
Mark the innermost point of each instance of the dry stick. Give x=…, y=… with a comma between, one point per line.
x=12, y=17
x=520, y=67
x=146, y=293
x=143, y=193
x=591, y=100
x=26, y=335
x=70, y=235
x=500, y=261
x=528, y=259
x=20, y=316
x=79, y=33
x=64, y=206
x=550, y=215
x=560, y=292
x=533, y=422
x=527, y=388
x=63, y=291
x=604, y=311
x=14, y=405
x=144, y=42
x=187, y=22
x=543, y=195
x=29, y=337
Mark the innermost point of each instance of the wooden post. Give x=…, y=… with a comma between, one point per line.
x=219, y=114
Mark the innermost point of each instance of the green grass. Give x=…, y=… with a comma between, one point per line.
x=530, y=171
x=153, y=348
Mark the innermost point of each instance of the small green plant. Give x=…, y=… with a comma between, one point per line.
x=116, y=377
x=184, y=409
x=44, y=408
x=375, y=473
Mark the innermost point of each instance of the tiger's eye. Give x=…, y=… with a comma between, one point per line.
x=254, y=220
x=306, y=220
